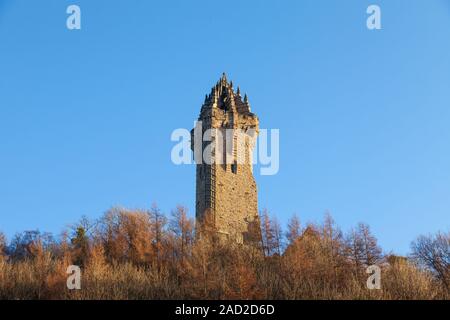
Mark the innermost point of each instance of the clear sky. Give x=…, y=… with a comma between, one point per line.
x=364, y=116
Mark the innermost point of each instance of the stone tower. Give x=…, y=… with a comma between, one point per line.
x=226, y=194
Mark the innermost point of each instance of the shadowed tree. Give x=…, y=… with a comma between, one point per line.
x=80, y=246
x=253, y=236
x=25, y=244
x=2, y=241
x=88, y=225
x=2, y=245
x=433, y=253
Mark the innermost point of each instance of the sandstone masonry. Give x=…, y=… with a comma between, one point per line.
x=226, y=193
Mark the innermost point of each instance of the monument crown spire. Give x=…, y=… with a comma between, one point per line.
x=224, y=97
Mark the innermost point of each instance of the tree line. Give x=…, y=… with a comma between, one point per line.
x=146, y=254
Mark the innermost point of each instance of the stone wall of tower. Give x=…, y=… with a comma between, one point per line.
x=226, y=192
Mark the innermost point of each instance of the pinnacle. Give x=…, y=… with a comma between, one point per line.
x=224, y=94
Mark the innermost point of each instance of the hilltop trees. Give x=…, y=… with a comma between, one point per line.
x=142, y=254
x=28, y=244
x=362, y=247
x=315, y=261
x=127, y=235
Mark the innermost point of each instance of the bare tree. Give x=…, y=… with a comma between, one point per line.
x=433, y=253
x=362, y=247
x=86, y=224
x=372, y=253
x=333, y=242
x=24, y=244
x=271, y=234
x=277, y=237
x=294, y=229
x=268, y=234
x=158, y=223
x=354, y=248
x=2, y=244
x=183, y=228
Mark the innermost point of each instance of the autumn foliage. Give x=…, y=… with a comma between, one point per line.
x=144, y=254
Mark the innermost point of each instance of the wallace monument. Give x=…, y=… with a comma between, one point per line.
x=223, y=142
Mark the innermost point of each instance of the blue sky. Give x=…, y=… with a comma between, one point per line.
x=86, y=116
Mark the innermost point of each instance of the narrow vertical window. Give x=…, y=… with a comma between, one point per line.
x=234, y=167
